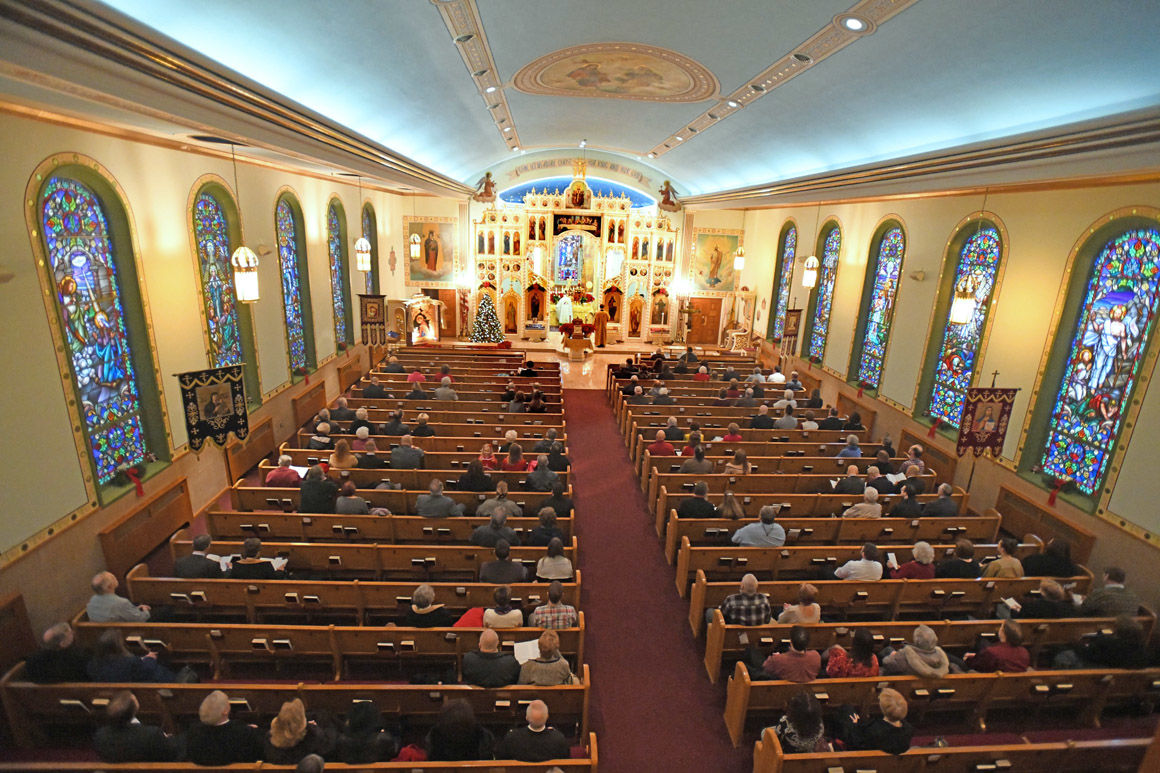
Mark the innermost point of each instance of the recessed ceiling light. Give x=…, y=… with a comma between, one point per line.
x=490, y=89
x=464, y=38
x=679, y=139
x=507, y=128
x=731, y=103
x=652, y=155
x=803, y=58
x=583, y=143
x=853, y=23
x=515, y=148
x=479, y=73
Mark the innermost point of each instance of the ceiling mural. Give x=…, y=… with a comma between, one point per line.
x=618, y=71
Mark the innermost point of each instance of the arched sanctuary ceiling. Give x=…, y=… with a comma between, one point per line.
x=923, y=75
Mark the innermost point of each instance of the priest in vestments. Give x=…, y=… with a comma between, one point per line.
x=600, y=322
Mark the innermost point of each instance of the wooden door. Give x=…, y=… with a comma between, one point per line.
x=448, y=319
x=706, y=320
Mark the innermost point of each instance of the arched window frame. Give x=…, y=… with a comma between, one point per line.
x=219, y=190
x=822, y=295
x=867, y=368
x=303, y=276
x=338, y=265
x=134, y=302
x=369, y=228
x=1057, y=358
x=782, y=280
x=964, y=231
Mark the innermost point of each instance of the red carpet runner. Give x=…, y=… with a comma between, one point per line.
x=653, y=708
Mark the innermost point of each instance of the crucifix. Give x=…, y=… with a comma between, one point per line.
x=994, y=375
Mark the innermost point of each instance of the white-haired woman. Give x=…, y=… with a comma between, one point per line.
x=921, y=567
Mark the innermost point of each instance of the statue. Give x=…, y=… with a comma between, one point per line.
x=668, y=201
x=564, y=309
x=485, y=189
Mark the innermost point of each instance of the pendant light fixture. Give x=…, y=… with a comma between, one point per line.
x=244, y=261
x=739, y=258
x=964, y=305
x=362, y=245
x=812, y=264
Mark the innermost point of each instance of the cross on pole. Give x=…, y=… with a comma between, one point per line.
x=994, y=375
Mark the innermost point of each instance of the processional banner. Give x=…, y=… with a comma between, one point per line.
x=215, y=405
x=983, y=426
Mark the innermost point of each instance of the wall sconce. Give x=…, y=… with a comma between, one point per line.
x=964, y=305
x=810, y=274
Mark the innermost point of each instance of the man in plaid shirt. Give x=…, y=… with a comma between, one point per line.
x=554, y=614
x=747, y=607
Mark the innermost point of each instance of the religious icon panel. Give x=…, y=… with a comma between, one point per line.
x=711, y=267
x=433, y=263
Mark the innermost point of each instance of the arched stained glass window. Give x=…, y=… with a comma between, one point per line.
x=827, y=275
x=785, y=276
x=336, y=251
x=370, y=233
x=958, y=352
x=1111, y=335
x=879, y=311
x=294, y=295
x=83, y=266
x=211, y=233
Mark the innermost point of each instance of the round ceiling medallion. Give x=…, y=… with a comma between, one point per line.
x=618, y=71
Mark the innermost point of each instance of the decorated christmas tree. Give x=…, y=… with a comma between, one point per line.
x=486, y=329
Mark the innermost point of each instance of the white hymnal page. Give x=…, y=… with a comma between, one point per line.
x=526, y=650
x=300, y=470
x=896, y=477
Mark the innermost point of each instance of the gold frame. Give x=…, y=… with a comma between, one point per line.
x=31, y=199
x=901, y=267
x=984, y=339
x=198, y=185
x=454, y=222
x=692, y=253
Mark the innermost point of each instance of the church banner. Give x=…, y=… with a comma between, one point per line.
x=563, y=223
x=215, y=405
x=983, y=426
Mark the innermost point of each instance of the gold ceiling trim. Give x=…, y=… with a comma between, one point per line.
x=824, y=43
x=465, y=26
x=115, y=43
x=618, y=70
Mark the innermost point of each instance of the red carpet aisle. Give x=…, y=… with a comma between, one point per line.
x=653, y=708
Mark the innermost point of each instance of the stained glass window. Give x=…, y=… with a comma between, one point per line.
x=288, y=261
x=368, y=233
x=1111, y=334
x=337, y=252
x=880, y=311
x=955, y=367
x=84, y=272
x=827, y=275
x=788, y=247
x=217, y=281
x=569, y=254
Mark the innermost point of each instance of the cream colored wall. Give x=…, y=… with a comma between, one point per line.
x=157, y=183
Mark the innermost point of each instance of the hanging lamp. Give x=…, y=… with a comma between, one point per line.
x=244, y=261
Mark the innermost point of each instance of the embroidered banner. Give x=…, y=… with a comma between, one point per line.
x=215, y=405
x=983, y=426
x=373, y=319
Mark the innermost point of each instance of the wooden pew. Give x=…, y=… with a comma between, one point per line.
x=958, y=636
x=766, y=465
x=419, y=480
x=882, y=599
x=529, y=432
x=376, y=560
x=399, y=501
x=398, y=529
x=352, y=600
x=138, y=532
x=1108, y=756
x=707, y=532
x=172, y=706
x=390, y=648
x=1022, y=516
x=973, y=695
x=442, y=452
x=800, y=561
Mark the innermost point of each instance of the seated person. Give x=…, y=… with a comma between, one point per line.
x=515, y=461
x=557, y=460
x=748, y=607
x=664, y=398
x=1054, y=561
x=218, y=740
x=394, y=366
x=698, y=464
x=923, y=657
x=698, y=505
x=555, y=565
x=488, y=535
x=59, y=659
x=282, y=476
x=510, y=438
x=487, y=458
x=291, y=737
x=852, y=483
x=537, y=742
x=832, y=421
x=852, y=450
x=375, y=390
x=799, y=663
x=197, y=565
x=395, y=425
x=662, y=446
x=962, y=564
x=723, y=400
x=890, y=733
x=424, y=612
x=801, y=730
x=808, y=422
x=914, y=457
x=416, y=376
x=316, y=493
x=342, y=458
x=444, y=391
x=361, y=436
x=907, y=504
x=1113, y=598
x=945, y=506
x=112, y=662
x=251, y=566
x=806, y=611
x=786, y=401
x=762, y=420
x=815, y=400
x=866, y=567
x=362, y=739
x=487, y=666
x=555, y=614
x=321, y=440
x=560, y=504
x=105, y=606
x=123, y=738
x=1006, y=565
x=474, y=478
x=765, y=532
x=499, y=503
x=546, y=442
x=1124, y=647
x=537, y=404
x=436, y=504
x=504, y=614
x=1050, y=603
x=417, y=393
x=422, y=428
x=542, y=477
x=702, y=374
x=854, y=423
x=867, y=508
x=509, y=393
x=875, y=479
x=673, y=433
x=503, y=570
x=914, y=478
x=1007, y=655
x=518, y=404
x=734, y=434
x=859, y=661
x=456, y=735
x=738, y=465
x=550, y=668
x=370, y=459
x=406, y=455
x=349, y=502
x=529, y=370
x=920, y=567
x=361, y=422
x=547, y=530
